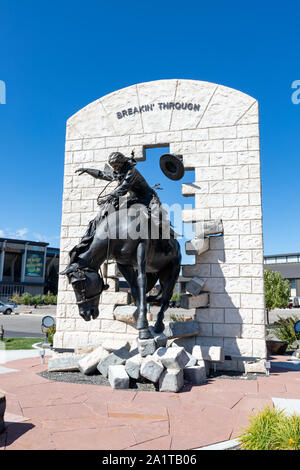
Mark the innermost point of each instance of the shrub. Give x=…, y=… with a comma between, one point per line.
x=284, y=329
x=277, y=291
x=175, y=297
x=49, y=299
x=271, y=429
x=50, y=333
x=16, y=298
x=37, y=300
x=26, y=299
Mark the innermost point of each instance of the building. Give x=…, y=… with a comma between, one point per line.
x=288, y=265
x=27, y=266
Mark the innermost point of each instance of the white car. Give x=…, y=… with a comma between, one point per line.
x=6, y=309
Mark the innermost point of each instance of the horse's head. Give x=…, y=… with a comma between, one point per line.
x=88, y=286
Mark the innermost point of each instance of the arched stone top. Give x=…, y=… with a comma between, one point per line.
x=163, y=105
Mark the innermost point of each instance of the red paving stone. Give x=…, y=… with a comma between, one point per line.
x=81, y=416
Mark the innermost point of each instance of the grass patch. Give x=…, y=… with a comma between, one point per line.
x=271, y=429
x=18, y=343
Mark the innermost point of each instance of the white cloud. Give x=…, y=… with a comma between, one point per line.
x=2, y=233
x=21, y=232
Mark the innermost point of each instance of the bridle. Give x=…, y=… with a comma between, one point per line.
x=81, y=287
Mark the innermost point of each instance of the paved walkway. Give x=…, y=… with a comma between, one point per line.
x=43, y=414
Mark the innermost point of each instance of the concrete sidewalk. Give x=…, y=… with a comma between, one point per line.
x=43, y=414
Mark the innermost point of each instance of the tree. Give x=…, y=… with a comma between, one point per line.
x=277, y=291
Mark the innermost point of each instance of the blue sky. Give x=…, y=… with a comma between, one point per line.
x=58, y=56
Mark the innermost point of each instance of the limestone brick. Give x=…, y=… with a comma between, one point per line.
x=228, y=132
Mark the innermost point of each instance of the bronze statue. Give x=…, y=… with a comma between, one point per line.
x=142, y=260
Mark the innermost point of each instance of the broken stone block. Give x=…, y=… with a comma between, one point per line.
x=255, y=367
x=171, y=381
x=86, y=349
x=112, y=345
x=2, y=410
x=88, y=364
x=118, y=358
x=175, y=358
x=208, y=227
x=209, y=353
x=180, y=329
x=187, y=343
x=192, y=360
x=159, y=353
x=189, y=301
x=118, y=377
x=195, y=374
x=133, y=366
x=127, y=314
x=197, y=246
x=160, y=339
x=146, y=347
x=65, y=362
x=151, y=369
x=195, y=285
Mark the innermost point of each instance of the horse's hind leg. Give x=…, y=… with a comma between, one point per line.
x=168, y=278
x=142, y=323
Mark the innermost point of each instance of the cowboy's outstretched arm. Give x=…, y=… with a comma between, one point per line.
x=102, y=175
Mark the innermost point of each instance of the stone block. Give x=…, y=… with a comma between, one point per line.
x=159, y=353
x=195, y=374
x=192, y=360
x=116, y=358
x=208, y=353
x=175, y=358
x=151, y=369
x=127, y=314
x=195, y=285
x=64, y=362
x=88, y=364
x=188, y=301
x=86, y=349
x=146, y=347
x=187, y=343
x=197, y=246
x=171, y=381
x=255, y=367
x=181, y=329
x=2, y=411
x=133, y=366
x=118, y=377
x=112, y=345
x=160, y=339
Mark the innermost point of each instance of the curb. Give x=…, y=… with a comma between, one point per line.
x=226, y=445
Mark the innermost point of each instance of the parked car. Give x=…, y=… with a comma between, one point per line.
x=291, y=303
x=6, y=309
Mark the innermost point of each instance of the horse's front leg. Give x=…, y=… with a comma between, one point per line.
x=142, y=323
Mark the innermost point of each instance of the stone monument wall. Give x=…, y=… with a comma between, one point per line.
x=216, y=129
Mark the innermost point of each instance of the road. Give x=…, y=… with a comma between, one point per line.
x=26, y=325
x=29, y=325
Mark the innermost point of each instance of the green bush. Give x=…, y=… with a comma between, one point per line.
x=175, y=297
x=37, y=300
x=26, y=299
x=49, y=299
x=284, y=329
x=50, y=333
x=16, y=298
x=271, y=429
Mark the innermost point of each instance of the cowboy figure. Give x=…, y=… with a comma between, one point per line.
x=129, y=181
